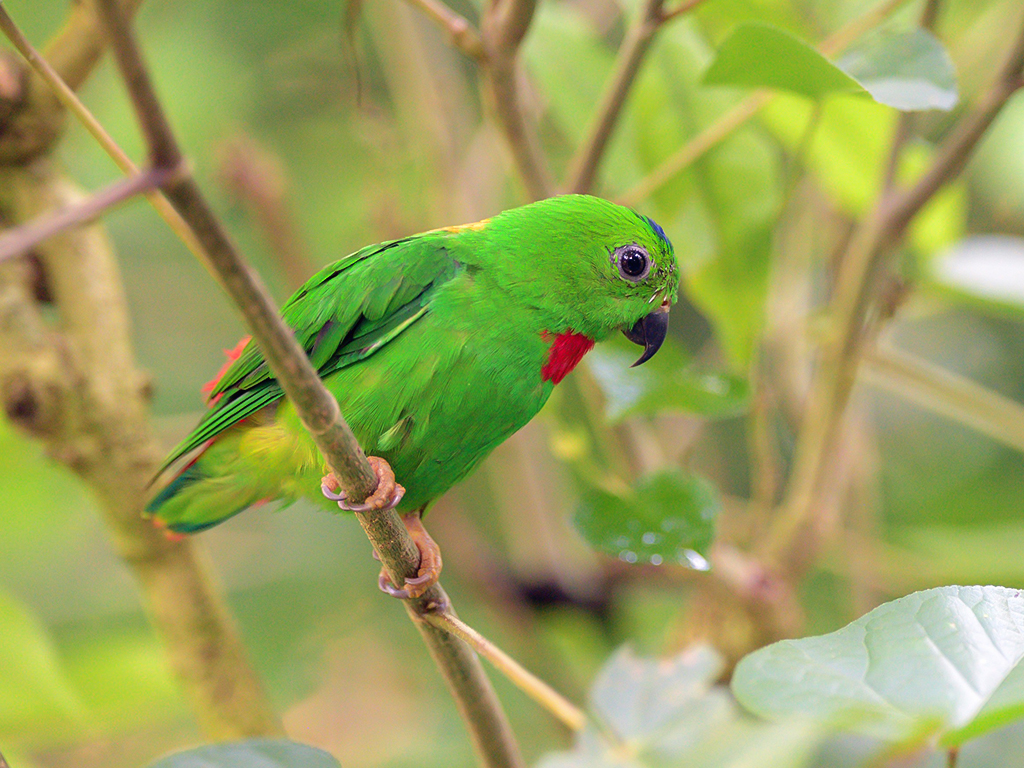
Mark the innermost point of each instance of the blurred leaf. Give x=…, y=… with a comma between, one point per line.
x=763, y=56
x=668, y=517
x=665, y=383
x=945, y=660
x=641, y=698
x=987, y=270
x=252, y=753
x=669, y=712
x=34, y=692
x=906, y=70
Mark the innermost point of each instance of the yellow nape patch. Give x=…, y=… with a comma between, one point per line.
x=476, y=226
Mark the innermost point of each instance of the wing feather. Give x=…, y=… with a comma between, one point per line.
x=343, y=314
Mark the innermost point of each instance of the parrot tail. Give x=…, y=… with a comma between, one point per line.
x=198, y=499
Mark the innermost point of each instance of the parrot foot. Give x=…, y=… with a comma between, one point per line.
x=386, y=495
x=430, y=562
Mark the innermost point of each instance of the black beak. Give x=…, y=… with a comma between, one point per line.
x=649, y=332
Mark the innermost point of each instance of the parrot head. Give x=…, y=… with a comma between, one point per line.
x=592, y=267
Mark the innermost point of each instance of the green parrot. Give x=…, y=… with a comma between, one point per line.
x=438, y=347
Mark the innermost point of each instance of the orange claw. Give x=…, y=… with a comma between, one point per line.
x=430, y=562
x=386, y=495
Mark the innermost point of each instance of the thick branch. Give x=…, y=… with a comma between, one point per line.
x=81, y=394
x=318, y=410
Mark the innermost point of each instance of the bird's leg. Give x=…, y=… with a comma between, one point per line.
x=430, y=562
x=386, y=495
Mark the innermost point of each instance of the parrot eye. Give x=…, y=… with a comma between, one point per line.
x=633, y=261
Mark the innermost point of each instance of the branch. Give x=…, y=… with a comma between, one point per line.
x=833, y=380
x=25, y=237
x=571, y=715
x=66, y=95
x=460, y=32
x=946, y=394
x=583, y=167
x=317, y=409
x=504, y=25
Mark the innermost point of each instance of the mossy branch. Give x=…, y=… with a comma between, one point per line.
x=78, y=390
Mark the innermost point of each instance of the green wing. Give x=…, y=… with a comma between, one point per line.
x=344, y=313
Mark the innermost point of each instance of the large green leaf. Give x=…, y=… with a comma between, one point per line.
x=669, y=712
x=945, y=661
x=253, y=753
x=762, y=56
x=34, y=692
x=666, y=383
x=669, y=517
x=906, y=70
x=987, y=270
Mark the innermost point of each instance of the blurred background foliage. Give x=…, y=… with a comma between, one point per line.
x=377, y=130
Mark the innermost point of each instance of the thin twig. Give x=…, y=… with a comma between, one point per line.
x=318, y=411
x=73, y=104
x=504, y=25
x=461, y=33
x=946, y=393
x=571, y=715
x=833, y=380
x=680, y=10
x=695, y=148
x=583, y=167
x=25, y=237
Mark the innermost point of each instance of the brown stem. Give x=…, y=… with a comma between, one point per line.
x=504, y=26
x=21, y=240
x=583, y=167
x=460, y=32
x=79, y=392
x=317, y=409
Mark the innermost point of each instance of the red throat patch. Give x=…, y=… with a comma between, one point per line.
x=565, y=353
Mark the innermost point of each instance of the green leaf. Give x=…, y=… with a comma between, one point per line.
x=906, y=70
x=643, y=698
x=252, y=753
x=986, y=270
x=664, y=384
x=945, y=660
x=763, y=56
x=34, y=692
x=669, y=712
x=669, y=517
